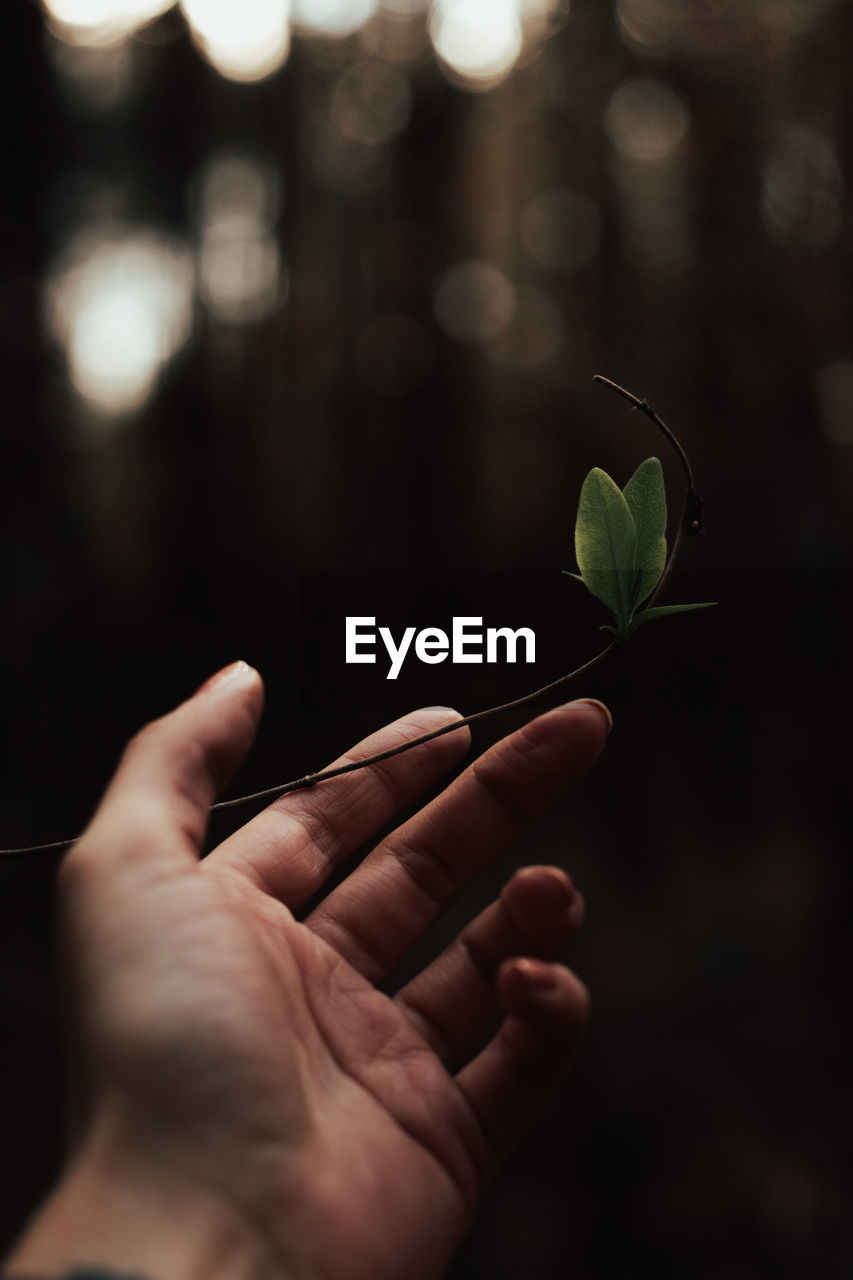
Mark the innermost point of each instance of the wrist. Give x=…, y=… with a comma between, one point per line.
x=123, y=1214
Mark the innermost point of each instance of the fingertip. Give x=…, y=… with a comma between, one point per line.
x=509, y=1082
x=587, y=721
x=579, y=995
x=545, y=905
x=455, y=742
x=572, y=736
x=535, y=990
x=444, y=712
x=583, y=713
x=237, y=683
x=434, y=717
x=236, y=675
x=540, y=888
x=521, y=979
x=599, y=708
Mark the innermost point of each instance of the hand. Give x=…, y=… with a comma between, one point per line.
x=245, y=1101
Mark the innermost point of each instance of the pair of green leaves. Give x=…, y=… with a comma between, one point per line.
x=620, y=542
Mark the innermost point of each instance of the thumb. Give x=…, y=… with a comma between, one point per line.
x=157, y=804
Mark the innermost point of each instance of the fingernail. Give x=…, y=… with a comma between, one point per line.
x=234, y=673
x=599, y=706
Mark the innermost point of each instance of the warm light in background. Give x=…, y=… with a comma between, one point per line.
x=241, y=278
x=541, y=15
x=98, y=76
x=101, y=21
x=120, y=305
x=234, y=188
x=371, y=103
x=405, y=8
x=535, y=333
x=561, y=228
x=803, y=187
x=652, y=24
x=333, y=17
x=474, y=301
x=646, y=123
x=793, y=17
x=646, y=120
x=477, y=40
x=245, y=40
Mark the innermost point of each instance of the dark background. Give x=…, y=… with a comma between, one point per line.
x=242, y=340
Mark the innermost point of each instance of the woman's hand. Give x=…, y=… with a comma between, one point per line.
x=245, y=1100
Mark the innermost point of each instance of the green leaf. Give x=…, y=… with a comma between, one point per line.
x=646, y=499
x=662, y=610
x=606, y=543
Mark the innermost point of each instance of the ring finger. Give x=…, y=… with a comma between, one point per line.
x=454, y=1002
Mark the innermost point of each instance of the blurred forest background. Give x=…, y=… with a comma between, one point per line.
x=321, y=286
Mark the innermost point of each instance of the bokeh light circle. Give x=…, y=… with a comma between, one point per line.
x=478, y=41
x=474, y=301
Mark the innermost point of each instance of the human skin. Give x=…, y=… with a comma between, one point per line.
x=244, y=1101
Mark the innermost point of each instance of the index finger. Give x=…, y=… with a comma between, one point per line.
x=157, y=804
x=294, y=845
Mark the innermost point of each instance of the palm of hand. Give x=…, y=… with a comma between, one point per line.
x=256, y=1051
x=389, y=1158
x=298, y=1074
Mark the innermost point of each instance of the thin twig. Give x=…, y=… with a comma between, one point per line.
x=642, y=407
x=38, y=848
